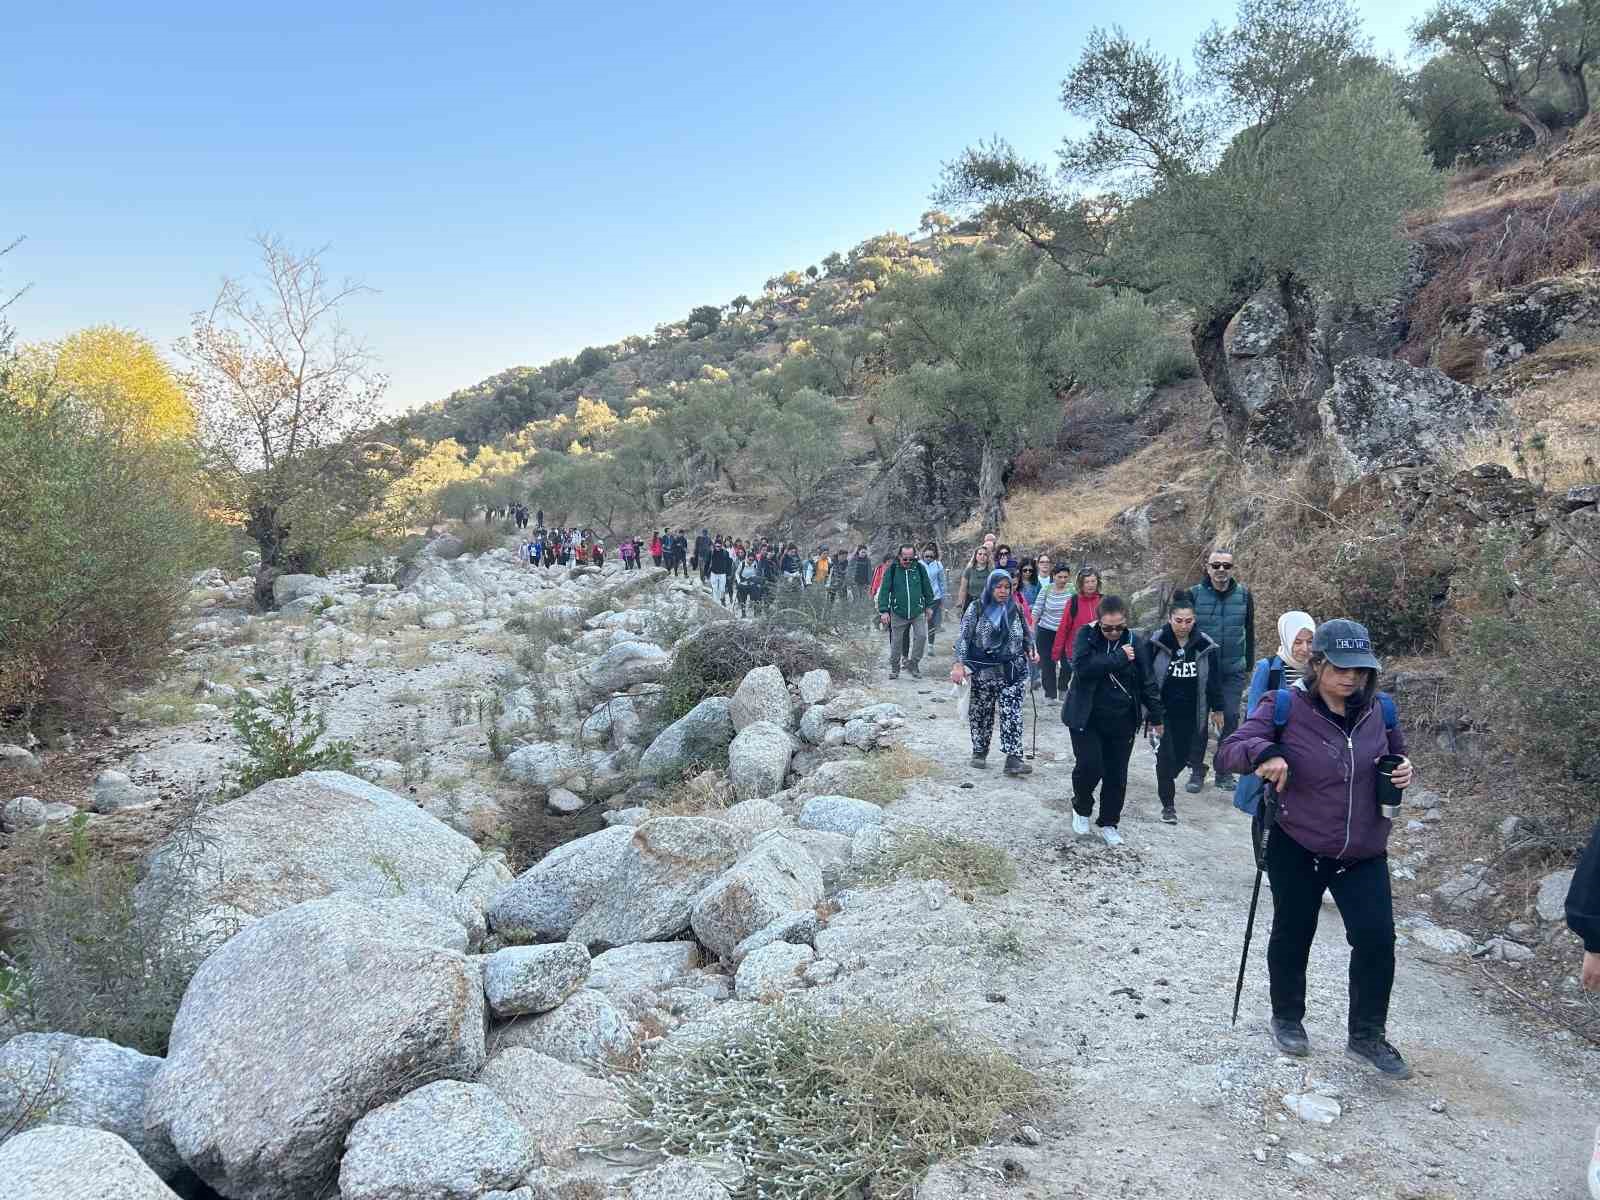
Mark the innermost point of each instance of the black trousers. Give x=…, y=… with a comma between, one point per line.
x=1182, y=745
x=1102, y=751
x=1361, y=889
x=1054, y=674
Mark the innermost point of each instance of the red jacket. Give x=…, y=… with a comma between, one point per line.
x=877, y=577
x=1088, y=613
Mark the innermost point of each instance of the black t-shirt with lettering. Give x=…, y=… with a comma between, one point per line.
x=1182, y=684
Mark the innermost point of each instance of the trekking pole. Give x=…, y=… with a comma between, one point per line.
x=1268, y=806
x=1033, y=697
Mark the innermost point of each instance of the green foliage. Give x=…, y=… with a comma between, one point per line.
x=591, y=359
x=799, y=443
x=1510, y=42
x=704, y=320
x=818, y=1108
x=480, y=539
x=1448, y=99
x=281, y=740
x=91, y=962
x=100, y=533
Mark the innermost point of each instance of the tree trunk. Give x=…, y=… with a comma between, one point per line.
x=1307, y=371
x=991, y=488
x=269, y=534
x=1206, y=335
x=1518, y=108
x=1577, y=88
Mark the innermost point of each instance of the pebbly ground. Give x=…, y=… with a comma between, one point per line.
x=1120, y=991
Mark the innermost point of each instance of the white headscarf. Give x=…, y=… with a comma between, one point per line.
x=1290, y=626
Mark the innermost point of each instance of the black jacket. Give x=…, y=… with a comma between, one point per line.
x=721, y=561
x=1100, y=667
x=1208, y=692
x=1583, y=897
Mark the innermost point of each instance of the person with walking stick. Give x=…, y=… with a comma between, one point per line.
x=1331, y=749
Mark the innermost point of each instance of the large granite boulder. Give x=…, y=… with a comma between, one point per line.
x=778, y=876
x=558, y=1105
x=762, y=696
x=701, y=734
x=88, y=1082
x=758, y=760
x=309, y=836
x=299, y=1026
x=520, y=980
x=446, y=1141
x=68, y=1162
x=626, y=664
x=587, y=1030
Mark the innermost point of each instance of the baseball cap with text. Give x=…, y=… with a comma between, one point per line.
x=1345, y=643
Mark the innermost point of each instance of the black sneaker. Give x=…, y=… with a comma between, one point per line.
x=980, y=760
x=1225, y=782
x=894, y=673
x=1291, y=1037
x=1196, y=778
x=915, y=674
x=1016, y=766
x=1169, y=814
x=1379, y=1055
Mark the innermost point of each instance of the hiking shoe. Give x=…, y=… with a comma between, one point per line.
x=1196, y=777
x=1109, y=834
x=894, y=672
x=1080, y=825
x=915, y=673
x=1378, y=1054
x=1015, y=765
x=1291, y=1037
x=1225, y=782
x=1169, y=814
x=980, y=760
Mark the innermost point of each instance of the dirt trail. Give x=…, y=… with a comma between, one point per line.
x=1124, y=987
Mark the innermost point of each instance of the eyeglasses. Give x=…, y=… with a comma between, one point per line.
x=1220, y=566
x=1113, y=628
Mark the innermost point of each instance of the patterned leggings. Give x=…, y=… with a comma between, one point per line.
x=987, y=694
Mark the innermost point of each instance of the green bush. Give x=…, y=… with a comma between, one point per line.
x=91, y=962
x=280, y=740
x=480, y=539
x=99, y=537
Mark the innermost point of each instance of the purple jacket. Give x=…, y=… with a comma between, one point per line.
x=1331, y=804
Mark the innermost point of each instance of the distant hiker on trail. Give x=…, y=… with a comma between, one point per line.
x=599, y=553
x=1185, y=664
x=680, y=553
x=1225, y=611
x=1329, y=833
x=904, y=597
x=935, y=569
x=993, y=649
x=655, y=548
x=974, y=578
x=702, y=554
x=789, y=564
x=1082, y=609
x=539, y=519
x=1111, y=694
x=860, y=572
x=747, y=579
x=721, y=572
x=628, y=552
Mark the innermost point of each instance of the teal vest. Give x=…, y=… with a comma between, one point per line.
x=1222, y=617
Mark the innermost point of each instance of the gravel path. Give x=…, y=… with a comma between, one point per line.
x=1122, y=992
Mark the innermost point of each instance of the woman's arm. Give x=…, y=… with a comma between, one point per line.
x=1251, y=743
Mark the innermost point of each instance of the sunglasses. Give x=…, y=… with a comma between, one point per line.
x=1113, y=629
x=1220, y=566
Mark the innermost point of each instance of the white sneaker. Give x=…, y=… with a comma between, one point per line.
x=1111, y=836
x=1080, y=825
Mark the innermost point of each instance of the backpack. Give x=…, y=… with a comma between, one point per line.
x=1247, y=792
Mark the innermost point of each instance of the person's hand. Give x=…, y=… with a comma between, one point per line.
x=1128, y=650
x=958, y=673
x=1401, y=775
x=1216, y=721
x=1033, y=654
x=1591, y=971
x=884, y=617
x=1157, y=730
x=1274, y=771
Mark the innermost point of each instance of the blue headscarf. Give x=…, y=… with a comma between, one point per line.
x=994, y=611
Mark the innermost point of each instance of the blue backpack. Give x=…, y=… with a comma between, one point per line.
x=1247, y=792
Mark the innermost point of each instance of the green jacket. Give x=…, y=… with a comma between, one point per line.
x=905, y=593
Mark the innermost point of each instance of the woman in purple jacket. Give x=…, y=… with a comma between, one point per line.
x=1330, y=835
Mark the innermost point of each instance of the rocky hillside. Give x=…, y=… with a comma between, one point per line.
x=536, y=939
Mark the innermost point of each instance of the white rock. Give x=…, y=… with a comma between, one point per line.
x=814, y=725
x=557, y=1104
x=112, y=791
x=66, y=1162
x=439, y=618
x=587, y=1030
x=23, y=812
x=545, y=901
x=16, y=760
x=816, y=686
x=754, y=817
x=563, y=803
x=677, y=1179
x=522, y=980
x=798, y=928
x=286, y=588
x=758, y=760
x=1505, y=950
x=1445, y=941
x=775, y=878
x=772, y=970
x=761, y=696
x=625, y=665
x=1313, y=1108
x=1551, y=903
x=839, y=814
x=644, y=966
x=445, y=1141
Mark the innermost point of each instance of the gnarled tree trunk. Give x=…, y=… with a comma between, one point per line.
x=269, y=534
x=991, y=487
x=1518, y=108
x=1207, y=336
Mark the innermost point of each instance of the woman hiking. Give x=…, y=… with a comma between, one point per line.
x=993, y=648
x=1111, y=694
x=1083, y=609
x=1330, y=834
x=1048, y=613
x=1185, y=665
x=974, y=578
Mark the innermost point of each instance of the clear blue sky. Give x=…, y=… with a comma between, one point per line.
x=517, y=181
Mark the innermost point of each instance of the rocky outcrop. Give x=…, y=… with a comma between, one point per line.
x=701, y=734
x=775, y=878
x=762, y=696
x=445, y=1141
x=296, y=1028
x=523, y=980
x=758, y=760
x=1519, y=321
x=559, y=1106
x=64, y=1162
x=1381, y=413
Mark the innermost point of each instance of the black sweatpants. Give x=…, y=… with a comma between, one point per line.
x=1054, y=674
x=1102, y=751
x=1361, y=889
x=1182, y=745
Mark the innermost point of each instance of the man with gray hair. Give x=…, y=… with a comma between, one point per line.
x=1225, y=611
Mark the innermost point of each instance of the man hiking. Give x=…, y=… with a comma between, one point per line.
x=1225, y=611
x=1185, y=662
x=702, y=554
x=904, y=597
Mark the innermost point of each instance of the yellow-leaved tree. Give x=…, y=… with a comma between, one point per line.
x=119, y=374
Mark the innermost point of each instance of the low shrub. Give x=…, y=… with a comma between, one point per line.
x=281, y=740
x=100, y=534
x=886, y=773
x=966, y=865
x=91, y=962
x=712, y=660
x=819, y=1108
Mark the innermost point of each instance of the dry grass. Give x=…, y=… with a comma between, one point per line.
x=1554, y=435
x=966, y=865
x=887, y=774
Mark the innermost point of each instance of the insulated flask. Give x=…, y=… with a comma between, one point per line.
x=1388, y=794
